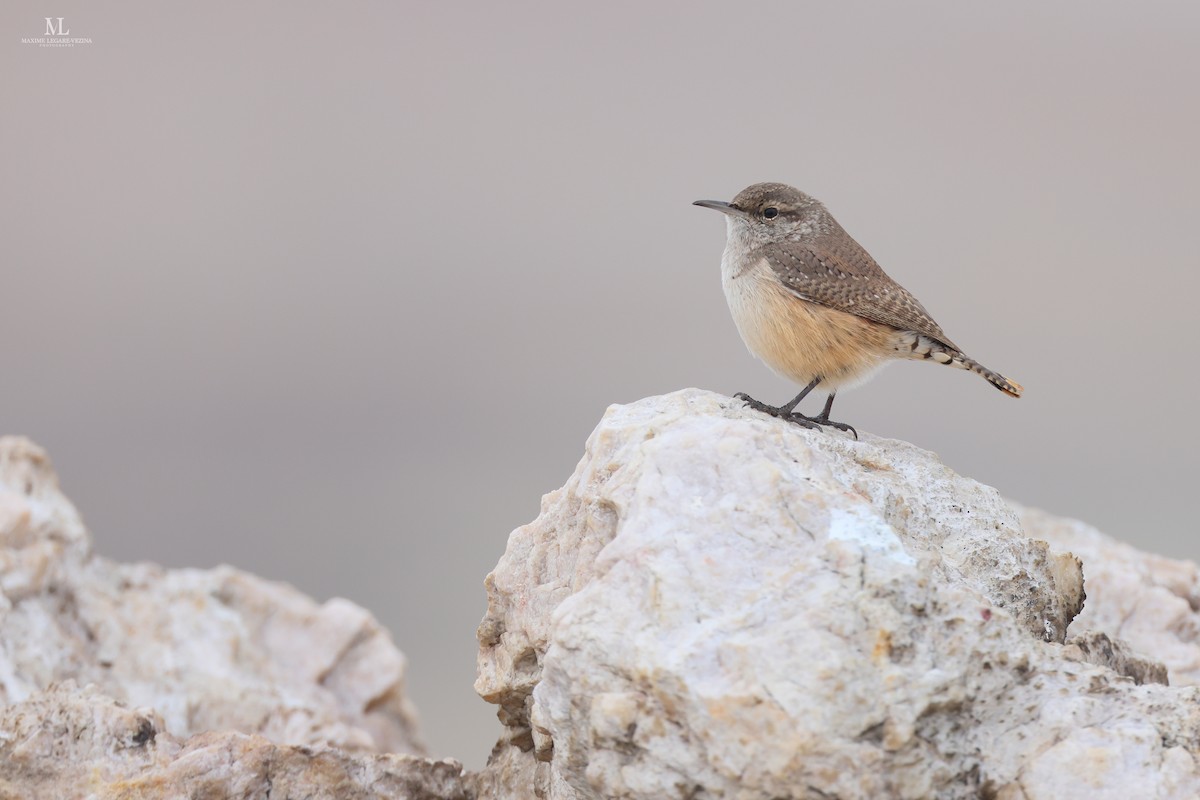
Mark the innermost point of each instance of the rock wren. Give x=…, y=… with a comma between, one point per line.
x=814, y=306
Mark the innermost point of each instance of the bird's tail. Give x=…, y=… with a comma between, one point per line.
x=962, y=361
x=911, y=344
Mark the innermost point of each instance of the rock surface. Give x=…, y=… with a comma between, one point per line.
x=718, y=604
x=1150, y=601
x=69, y=743
x=270, y=686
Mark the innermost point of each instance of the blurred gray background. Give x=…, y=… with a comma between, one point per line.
x=334, y=292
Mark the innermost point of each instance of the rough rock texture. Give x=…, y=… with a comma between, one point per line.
x=208, y=650
x=1150, y=601
x=715, y=605
x=280, y=679
x=73, y=743
x=718, y=604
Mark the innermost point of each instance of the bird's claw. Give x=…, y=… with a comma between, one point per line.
x=796, y=418
x=841, y=426
x=774, y=411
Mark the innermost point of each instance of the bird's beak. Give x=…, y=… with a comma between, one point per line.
x=724, y=208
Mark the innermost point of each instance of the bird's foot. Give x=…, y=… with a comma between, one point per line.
x=822, y=419
x=782, y=412
x=795, y=417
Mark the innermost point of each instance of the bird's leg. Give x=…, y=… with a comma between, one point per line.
x=784, y=411
x=788, y=412
x=823, y=417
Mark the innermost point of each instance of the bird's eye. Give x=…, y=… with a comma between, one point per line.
x=770, y=213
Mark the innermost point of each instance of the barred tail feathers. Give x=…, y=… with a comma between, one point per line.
x=1011, y=388
x=918, y=346
x=955, y=358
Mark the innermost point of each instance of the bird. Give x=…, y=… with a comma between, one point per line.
x=813, y=305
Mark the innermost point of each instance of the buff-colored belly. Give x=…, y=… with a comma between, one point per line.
x=800, y=340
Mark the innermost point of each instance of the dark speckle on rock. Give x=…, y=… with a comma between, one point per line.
x=145, y=732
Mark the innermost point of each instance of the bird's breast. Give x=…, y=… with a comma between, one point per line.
x=798, y=339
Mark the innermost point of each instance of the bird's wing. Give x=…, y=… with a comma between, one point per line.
x=836, y=272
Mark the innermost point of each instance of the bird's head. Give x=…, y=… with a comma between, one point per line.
x=772, y=212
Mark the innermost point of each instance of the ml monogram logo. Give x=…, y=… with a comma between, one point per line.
x=57, y=35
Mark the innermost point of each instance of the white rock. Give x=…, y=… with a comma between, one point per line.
x=715, y=605
x=69, y=743
x=718, y=604
x=1148, y=600
x=207, y=650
